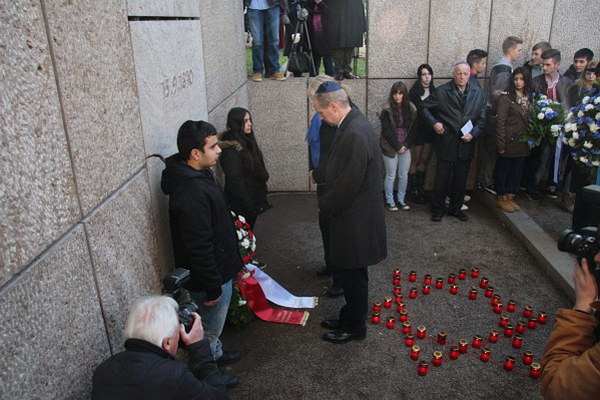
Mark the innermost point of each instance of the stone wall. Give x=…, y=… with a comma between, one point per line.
x=89, y=90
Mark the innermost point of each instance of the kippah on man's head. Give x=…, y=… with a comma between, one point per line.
x=329, y=86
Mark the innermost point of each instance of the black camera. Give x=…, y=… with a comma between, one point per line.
x=173, y=285
x=586, y=242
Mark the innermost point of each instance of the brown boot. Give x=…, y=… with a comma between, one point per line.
x=503, y=204
x=514, y=205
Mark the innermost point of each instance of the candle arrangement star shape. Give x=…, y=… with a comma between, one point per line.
x=524, y=320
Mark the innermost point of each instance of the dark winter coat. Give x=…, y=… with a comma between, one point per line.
x=572, y=74
x=353, y=195
x=446, y=106
x=540, y=85
x=344, y=23
x=414, y=94
x=146, y=372
x=245, y=176
x=202, y=229
x=511, y=125
x=389, y=139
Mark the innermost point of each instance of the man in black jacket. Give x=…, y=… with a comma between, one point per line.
x=581, y=59
x=457, y=113
x=202, y=230
x=352, y=202
x=147, y=369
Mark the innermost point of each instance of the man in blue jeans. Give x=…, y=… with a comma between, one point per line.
x=263, y=17
x=202, y=231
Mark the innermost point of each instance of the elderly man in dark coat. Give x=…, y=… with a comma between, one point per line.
x=352, y=201
x=344, y=24
x=457, y=113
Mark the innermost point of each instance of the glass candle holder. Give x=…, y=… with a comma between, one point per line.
x=396, y=281
x=477, y=342
x=535, y=370
x=427, y=279
x=409, y=340
x=391, y=323
x=397, y=290
x=542, y=317
x=474, y=272
x=454, y=353
x=532, y=323
x=511, y=306
x=412, y=276
x=517, y=342
x=413, y=293
x=527, y=357
x=375, y=318
x=398, y=298
x=509, y=363
x=453, y=289
x=462, y=274
x=421, y=332
x=508, y=330
x=489, y=292
x=452, y=278
x=377, y=306
x=498, y=308
x=503, y=321
x=520, y=328
x=439, y=283
x=485, y=355
x=494, y=336
x=483, y=283
x=473, y=294
x=463, y=346
x=441, y=337
x=415, y=352
x=400, y=306
x=387, y=302
x=437, y=358
x=422, y=368
x=406, y=327
x=397, y=273
x=403, y=316
x=426, y=289
x=495, y=300
x=527, y=311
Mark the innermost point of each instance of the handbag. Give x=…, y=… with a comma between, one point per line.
x=298, y=61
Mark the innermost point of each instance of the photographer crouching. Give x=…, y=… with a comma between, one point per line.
x=147, y=369
x=571, y=362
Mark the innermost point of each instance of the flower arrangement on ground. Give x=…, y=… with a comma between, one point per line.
x=545, y=121
x=582, y=130
x=246, y=239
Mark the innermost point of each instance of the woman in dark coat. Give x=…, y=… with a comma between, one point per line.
x=511, y=124
x=242, y=162
x=420, y=90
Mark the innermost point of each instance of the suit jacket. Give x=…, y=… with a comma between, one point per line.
x=511, y=125
x=352, y=197
x=445, y=106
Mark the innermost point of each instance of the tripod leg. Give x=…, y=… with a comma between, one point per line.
x=310, y=50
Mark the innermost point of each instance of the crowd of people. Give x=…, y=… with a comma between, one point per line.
x=345, y=162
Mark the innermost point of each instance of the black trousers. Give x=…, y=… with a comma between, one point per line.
x=335, y=272
x=356, y=292
x=507, y=174
x=342, y=58
x=450, y=179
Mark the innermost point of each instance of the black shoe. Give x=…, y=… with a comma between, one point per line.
x=332, y=324
x=436, y=217
x=230, y=380
x=343, y=337
x=460, y=215
x=532, y=196
x=339, y=76
x=334, y=291
x=551, y=193
x=324, y=271
x=229, y=357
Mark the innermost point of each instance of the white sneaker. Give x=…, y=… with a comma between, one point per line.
x=404, y=206
x=464, y=207
x=391, y=207
x=467, y=198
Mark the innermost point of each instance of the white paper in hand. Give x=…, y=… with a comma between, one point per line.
x=467, y=128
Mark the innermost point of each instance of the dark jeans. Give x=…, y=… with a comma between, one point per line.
x=356, y=292
x=535, y=166
x=342, y=58
x=450, y=178
x=507, y=174
x=335, y=272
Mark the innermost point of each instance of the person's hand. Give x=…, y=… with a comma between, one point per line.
x=212, y=302
x=467, y=137
x=402, y=150
x=311, y=177
x=586, y=289
x=195, y=334
x=438, y=127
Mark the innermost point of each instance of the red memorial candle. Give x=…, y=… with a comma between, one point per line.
x=397, y=273
x=396, y=281
x=520, y=329
x=509, y=363
x=503, y=321
x=511, y=306
x=414, y=353
x=453, y=289
x=441, y=337
x=421, y=332
x=409, y=340
x=399, y=298
x=397, y=290
x=390, y=323
x=508, y=330
x=406, y=327
x=437, y=358
x=413, y=293
x=532, y=323
x=422, y=368
x=426, y=289
x=527, y=311
x=462, y=274
x=403, y=316
x=483, y=283
x=454, y=353
x=427, y=279
x=473, y=294
x=387, y=303
x=376, y=318
x=527, y=357
x=495, y=299
x=463, y=346
x=498, y=308
x=377, y=306
x=517, y=342
x=412, y=276
x=485, y=354
x=494, y=336
x=474, y=272
x=477, y=342
x=535, y=370
x=489, y=291
x=401, y=306
x=542, y=317
x=452, y=278
x=439, y=283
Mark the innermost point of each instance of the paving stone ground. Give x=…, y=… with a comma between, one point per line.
x=292, y=362
x=548, y=214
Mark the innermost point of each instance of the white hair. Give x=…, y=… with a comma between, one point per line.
x=152, y=319
x=460, y=63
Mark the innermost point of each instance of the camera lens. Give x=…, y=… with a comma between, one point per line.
x=569, y=241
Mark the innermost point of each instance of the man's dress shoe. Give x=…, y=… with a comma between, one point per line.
x=332, y=324
x=334, y=291
x=230, y=380
x=229, y=357
x=340, y=336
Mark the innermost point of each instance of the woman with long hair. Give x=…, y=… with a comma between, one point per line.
x=420, y=90
x=397, y=121
x=512, y=120
x=242, y=162
x=583, y=84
